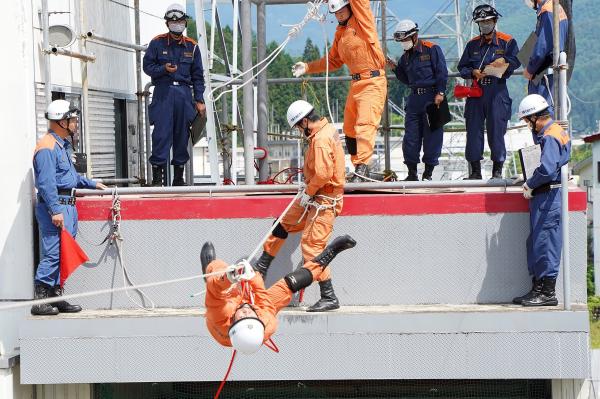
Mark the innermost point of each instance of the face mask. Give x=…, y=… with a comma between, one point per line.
x=177, y=28
x=486, y=27
x=407, y=45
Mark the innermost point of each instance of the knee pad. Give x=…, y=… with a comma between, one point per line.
x=280, y=232
x=299, y=279
x=351, y=145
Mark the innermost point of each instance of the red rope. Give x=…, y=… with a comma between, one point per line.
x=274, y=347
x=226, y=375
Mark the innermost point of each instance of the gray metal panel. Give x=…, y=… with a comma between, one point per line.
x=116, y=349
x=472, y=258
x=102, y=133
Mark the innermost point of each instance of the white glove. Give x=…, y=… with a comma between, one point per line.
x=247, y=270
x=527, y=192
x=299, y=69
x=305, y=199
x=234, y=273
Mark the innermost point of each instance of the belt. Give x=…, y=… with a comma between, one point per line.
x=61, y=200
x=329, y=189
x=489, y=81
x=174, y=84
x=546, y=188
x=370, y=74
x=419, y=91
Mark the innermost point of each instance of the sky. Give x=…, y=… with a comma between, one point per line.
x=278, y=15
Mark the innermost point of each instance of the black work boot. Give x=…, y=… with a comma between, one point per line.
x=336, y=246
x=536, y=288
x=497, y=170
x=178, y=175
x=328, y=299
x=62, y=306
x=546, y=297
x=475, y=171
x=207, y=255
x=158, y=175
x=42, y=292
x=360, y=170
x=263, y=263
x=428, y=172
x=412, y=172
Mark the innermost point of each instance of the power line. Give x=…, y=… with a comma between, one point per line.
x=133, y=8
x=581, y=100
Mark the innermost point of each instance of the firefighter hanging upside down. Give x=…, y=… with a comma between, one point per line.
x=356, y=44
x=314, y=212
x=232, y=319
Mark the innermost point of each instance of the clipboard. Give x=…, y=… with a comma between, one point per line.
x=197, y=128
x=438, y=117
x=525, y=55
x=530, y=159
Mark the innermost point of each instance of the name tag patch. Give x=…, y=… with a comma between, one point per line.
x=500, y=51
x=425, y=57
x=188, y=54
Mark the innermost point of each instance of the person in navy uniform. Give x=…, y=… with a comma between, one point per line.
x=490, y=112
x=422, y=67
x=173, y=62
x=542, y=58
x=55, y=178
x=542, y=189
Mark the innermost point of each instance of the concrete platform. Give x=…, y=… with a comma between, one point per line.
x=356, y=342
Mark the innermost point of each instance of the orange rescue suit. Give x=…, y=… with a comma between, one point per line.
x=224, y=298
x=356, y=44
x=324, y=175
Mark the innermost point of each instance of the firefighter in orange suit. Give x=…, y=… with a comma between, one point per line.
x=356, y=44
x=232, y=319
x=312, y=214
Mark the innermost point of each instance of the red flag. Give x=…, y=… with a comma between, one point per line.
x=71, y=255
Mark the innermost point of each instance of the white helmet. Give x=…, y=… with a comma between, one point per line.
x=247, y=335
x=298, y=110
x=336, y=5
x=175, y=12
x=59, y=110
x=405, y=29
x=531, y=105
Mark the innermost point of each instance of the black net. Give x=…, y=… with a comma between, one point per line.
x=394, y=389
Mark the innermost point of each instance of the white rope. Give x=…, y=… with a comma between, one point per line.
x=116, y=238
x=24, y=304
x=266, y=236
x=312, y=13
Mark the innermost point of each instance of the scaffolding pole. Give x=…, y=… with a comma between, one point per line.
x=262, y=90
x=45, y=38
x=248, y=92
x=143, y=150
x=560, y=110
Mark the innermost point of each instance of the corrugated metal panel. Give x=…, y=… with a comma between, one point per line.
x=101, y=129
x=40, y=108
x=102, y=133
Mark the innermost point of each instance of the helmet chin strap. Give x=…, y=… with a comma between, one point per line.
x=71, y=133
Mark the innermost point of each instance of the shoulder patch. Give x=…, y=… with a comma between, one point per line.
x=47, y=142
x=503, y=36
x=558, y=133
x=475, y=38
x=161, y=36
x=428, y=44
x=189, y=39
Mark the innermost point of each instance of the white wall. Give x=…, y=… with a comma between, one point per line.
x=18, y=141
